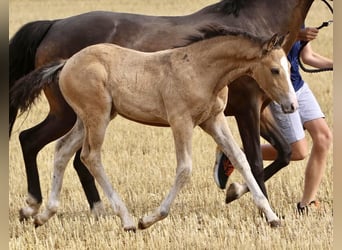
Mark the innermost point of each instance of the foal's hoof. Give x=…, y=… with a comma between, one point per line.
x=98, y=210
x=143, y=225
x=275, y=223
x=130, y=229
x=233, y=192
x=22, y=216
x=37, y=223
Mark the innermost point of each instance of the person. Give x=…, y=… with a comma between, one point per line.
x=308, y=116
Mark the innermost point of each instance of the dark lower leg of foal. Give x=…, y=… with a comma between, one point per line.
x=87, y=180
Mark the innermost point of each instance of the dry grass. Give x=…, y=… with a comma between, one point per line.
x=141, y=163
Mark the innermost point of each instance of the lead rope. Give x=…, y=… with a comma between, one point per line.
x=324, y=24
x=329, y=6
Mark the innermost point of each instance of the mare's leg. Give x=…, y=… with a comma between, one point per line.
x=244, y=102
x=64, y=150
x=12, y=117
x=88, y=185
x=217, y=127
x=270, y=132
x=59, y=120
x=182, y=133
x=95, y=127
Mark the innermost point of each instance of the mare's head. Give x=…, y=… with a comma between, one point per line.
x=272, y=72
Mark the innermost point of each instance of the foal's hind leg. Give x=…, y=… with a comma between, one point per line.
x=217, y=127
x=59, y=121
x=182, y=132
x=95, y=127
x=64, y=150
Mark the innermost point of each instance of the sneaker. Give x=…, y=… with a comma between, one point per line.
x=305, y=209
x=223, y=168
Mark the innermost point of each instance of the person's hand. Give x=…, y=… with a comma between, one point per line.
x=307, y=34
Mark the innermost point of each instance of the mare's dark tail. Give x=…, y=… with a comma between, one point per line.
x=22, y=51
x=26, y=90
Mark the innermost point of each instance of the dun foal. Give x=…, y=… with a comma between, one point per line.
x=181, y=88
x=44, y=41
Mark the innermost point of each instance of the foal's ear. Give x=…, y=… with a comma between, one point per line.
x=282, y=39
x=276, y=41
x=271, y=43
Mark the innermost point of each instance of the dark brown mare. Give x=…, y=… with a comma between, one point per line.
x=40, y=42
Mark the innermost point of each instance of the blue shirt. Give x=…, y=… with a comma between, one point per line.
x=292, y=56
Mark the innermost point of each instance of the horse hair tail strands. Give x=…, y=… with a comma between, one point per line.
x=26, y=90
x=22, y=53
x=23, y=46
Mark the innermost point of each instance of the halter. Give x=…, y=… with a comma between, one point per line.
x=324, y=24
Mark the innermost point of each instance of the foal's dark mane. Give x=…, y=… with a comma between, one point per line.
x=213, y=30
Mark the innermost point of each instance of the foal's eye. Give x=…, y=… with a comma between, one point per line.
x=275, y=71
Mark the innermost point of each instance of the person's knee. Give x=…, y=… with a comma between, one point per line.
x=320, y=134
x=299, y=155
x=299, y=150
x=323, y=140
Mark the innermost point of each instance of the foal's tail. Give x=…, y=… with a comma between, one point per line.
x=22, y=52
x=26, y=90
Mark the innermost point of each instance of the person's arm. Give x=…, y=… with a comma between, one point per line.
x=314, y=59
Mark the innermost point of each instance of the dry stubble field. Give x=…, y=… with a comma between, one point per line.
x=140, y=161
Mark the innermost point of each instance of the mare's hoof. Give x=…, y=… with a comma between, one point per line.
x=275, y=223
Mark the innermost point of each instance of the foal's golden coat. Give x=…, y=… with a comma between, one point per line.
x=180, y=88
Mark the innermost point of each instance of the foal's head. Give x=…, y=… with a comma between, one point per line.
x=273, y=74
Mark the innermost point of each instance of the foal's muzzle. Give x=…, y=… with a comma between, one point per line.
x=288, y=108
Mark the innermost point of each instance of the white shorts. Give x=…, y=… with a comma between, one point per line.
x=292, y=125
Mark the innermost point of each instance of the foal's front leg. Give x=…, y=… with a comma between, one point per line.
x=182, y=133
x=218, y=128
x=64, y=150
x=270, y=132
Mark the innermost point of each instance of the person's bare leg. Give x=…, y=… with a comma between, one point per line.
x=299, y=151
x=321, y=141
